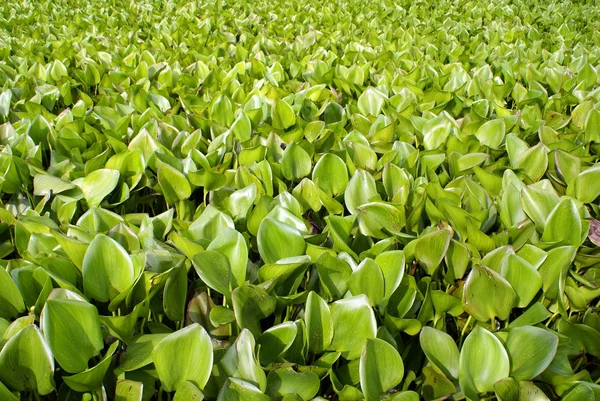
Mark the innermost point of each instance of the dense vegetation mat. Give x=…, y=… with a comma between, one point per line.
x=296, y=200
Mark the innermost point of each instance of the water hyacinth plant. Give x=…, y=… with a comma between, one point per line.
x=259, y=200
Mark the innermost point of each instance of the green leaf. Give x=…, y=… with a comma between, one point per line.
x=487, y=295
x=91, y=379
x=353, y=323
x=44, y=184
x=128, y=390
x=5, y=98
x=240, y=361
x=555, y=268
x=11, y=302
x=214, y=269
x=367, y=279
x=296, y=163
x=238, y=390
x=26, y=362
x=233, y=245
x=98, y=185
x=436, y=132
x=592, y=126
x=533, y=162
x=333, y=275
x=210, y=224
x=467, y=162
x=511, y=212
x=491, y=134
x=535, y=314
x=435, y=384
x=105, y=278
x=319, y=325
x=277, y=240
x=285, y=381
x=330, y=174
x=251, y=304
x=392, y=265
x=531, y=350
x=361, y=189
x=240, y=202
x=222, y=111
x=431, y=249
x=139, y=352
x=381, y=368
x=174, y=184
x=441, y=350
x=275, y=341
x=175, y=293
x=378, y=219
x=282, y=115
x=371, y=102
x=220, y=315
x=405, y=396
x=507, y=389
x=242, y=127
x=483, y=362
x=6, y=394
x=70, y=325
x=579, y=392
x=185, y=355
x=538, y=204
x=586, y=186
x=523, y=278
x=287, y=274
x=563, y=225
x=529, y=391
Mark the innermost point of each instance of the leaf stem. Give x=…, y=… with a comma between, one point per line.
x=142, y=325
x=552, y=319
x=462, y=333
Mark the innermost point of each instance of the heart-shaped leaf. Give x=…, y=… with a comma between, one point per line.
x=563, y=224
x=353, y=323
x=70, y=324
x=185, y=355
x=173, y=183
x=441, y=350
x=381, y=368
x=240, y=361
x=106, y=277
x=531, y=350
x=487, y=295
x=11, y=301
x=319, y=325
x=491, y=134
x=92, y=378
x=275, y=341
x=282, y=114
x=251, y=304
x=285, y=382
x=483, y=362
x=330, y=174
x=26, y=362
x=237, y=389
x=296, y=163
x=277, y=240
x=361, y=189
x=368, y=279
x=97, y=185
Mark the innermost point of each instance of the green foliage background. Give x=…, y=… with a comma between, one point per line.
x=299, y=200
